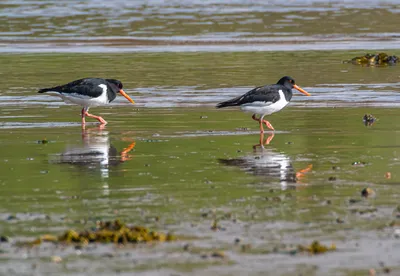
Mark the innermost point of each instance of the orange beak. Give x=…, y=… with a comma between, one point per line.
x=126, y=96
x=301, y=90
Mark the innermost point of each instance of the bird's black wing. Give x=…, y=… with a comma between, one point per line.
x=84, y=87
x=267, y=93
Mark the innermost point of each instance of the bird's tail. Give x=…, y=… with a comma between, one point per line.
x=232, y=102
x=43, y=90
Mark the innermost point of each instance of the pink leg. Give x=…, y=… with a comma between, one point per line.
x=268, y=124
x=83, y=118
x=261, y=121
x=98, y=118
x=258, y=120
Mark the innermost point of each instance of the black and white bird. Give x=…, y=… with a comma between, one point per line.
x=89, y=92
x=265, y=100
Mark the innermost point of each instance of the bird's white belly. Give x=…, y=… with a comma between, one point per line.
x=265, y=108
x=84, y=100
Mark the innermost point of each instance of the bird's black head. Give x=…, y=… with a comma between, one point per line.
x=119, y=86
x=117, y=83
x=289, y=82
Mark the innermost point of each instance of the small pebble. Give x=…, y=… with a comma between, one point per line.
x=203, y=117
x=108, y=255
x=339, y=220
x=4, y=239
x=56, y=259
x=11, y=217
x=186, y=247
x=218, y=254
x=358, y=163
x=276, y=199
x=367, y=192
x=386, y=270
x=368, y=119
x=352, y=200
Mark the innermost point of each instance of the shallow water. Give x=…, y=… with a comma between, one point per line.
x=228, y=25
x=207, y=166
x=203, y=79
x=173, y=162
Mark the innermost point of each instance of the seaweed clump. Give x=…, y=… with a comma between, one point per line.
x=375, y=59
x=316, y=248
x=109, y=232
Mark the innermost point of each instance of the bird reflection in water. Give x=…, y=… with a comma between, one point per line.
x=96, y=153
x=269, y=164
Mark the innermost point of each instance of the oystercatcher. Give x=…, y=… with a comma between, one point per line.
x=265, y=100
x=89, y=92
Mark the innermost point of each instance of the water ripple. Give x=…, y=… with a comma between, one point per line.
x=229, y=25
x=323, y=95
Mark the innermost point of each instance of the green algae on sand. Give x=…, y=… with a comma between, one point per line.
x=381, y=59
x=316, y=248
x=108, y=232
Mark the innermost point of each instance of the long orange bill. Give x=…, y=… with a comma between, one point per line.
x=301, y=90
x=126, y=96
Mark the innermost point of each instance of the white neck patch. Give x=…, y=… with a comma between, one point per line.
x=104, y=87
x=103, y=97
